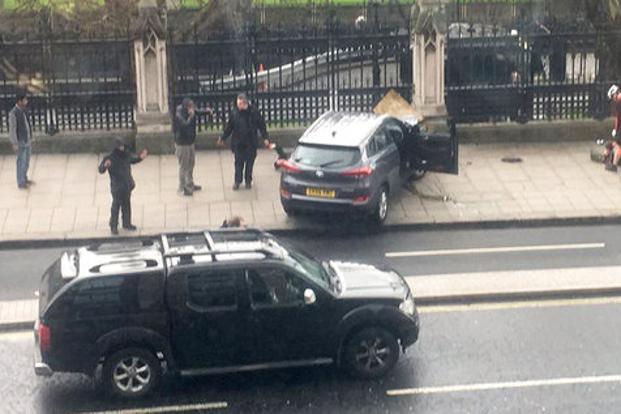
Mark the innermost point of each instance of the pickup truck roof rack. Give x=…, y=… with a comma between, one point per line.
x=217, y=244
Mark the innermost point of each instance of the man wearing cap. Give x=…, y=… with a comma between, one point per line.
x=614, y=95
x=243, y=125
x=185, y=138
x=118, y=164
x=20, y=134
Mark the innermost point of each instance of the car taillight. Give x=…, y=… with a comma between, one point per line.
x=45, y=338
x=285, y=194
x=288, y=166
x=361, y=172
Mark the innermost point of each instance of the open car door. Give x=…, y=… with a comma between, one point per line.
x=436, y=151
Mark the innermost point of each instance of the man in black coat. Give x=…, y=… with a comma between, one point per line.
x=243, y=125
x=118, y=164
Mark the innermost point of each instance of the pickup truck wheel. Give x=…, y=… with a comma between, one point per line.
x=131, y=373
x=371, y=353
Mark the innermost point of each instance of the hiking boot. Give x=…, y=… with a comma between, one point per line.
x=114, y=231
x=131, y=227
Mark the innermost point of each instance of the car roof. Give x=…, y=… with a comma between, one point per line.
x=342, y=129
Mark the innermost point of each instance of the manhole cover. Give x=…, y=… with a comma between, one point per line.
x=511, y=159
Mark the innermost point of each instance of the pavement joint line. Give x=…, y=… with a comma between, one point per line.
x=506, y=249
x=491, y=386
x=166, y=409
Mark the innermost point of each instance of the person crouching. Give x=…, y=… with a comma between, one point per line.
x=118, y=164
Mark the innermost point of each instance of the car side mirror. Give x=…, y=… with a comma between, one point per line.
x=309, y=297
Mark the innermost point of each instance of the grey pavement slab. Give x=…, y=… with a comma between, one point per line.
x=70, y=200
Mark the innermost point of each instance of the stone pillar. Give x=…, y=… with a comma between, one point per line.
x=151, y=73
x=428, y=43
x=153, y=127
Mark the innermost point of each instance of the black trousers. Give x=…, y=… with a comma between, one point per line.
x=244, y=164
x=121, y=201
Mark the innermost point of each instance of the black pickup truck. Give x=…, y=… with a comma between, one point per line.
x=215, y=302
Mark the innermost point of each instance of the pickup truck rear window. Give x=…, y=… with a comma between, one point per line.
x=326, y=156
x=51, y=282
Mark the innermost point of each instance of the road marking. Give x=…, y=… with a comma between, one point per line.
x=504, y=385
x=518, y=305
x=167, y=409
x=507, y=249
x=16, y=335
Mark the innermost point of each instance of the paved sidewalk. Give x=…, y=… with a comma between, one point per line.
x=443, y=289
x=71, y=200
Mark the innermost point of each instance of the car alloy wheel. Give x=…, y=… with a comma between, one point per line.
x=132, y=373
x=382, y=206
x=372, y=352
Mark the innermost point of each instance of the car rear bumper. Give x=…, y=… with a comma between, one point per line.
x=310, y=204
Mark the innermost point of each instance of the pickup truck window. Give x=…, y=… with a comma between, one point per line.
x=212, y=290
x=102, y=297
x=271, y=286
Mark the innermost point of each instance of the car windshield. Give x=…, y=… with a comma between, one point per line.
x=306, y=264
x=323, y=156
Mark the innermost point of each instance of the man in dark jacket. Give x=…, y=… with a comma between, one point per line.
x=20, y=134
x=185, y=137
x=243, y=125
x=118, y=164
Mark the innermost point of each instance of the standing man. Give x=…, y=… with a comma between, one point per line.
x=243, y=124
x=185, y=137
x=20, y=134
x=118, y=164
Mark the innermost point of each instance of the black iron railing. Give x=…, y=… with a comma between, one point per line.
x=291, y=77
x=497, y=74
x=74, y=85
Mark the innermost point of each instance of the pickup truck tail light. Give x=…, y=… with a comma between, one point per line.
x=361, y=172
x=45, y=337
x=288, y=166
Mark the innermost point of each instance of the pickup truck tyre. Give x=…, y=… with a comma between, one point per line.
x=371, y=353
x=131, y=373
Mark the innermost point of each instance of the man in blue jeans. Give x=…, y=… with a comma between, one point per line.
x=20, y=134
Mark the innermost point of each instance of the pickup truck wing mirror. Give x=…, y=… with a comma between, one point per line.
x=309, y=297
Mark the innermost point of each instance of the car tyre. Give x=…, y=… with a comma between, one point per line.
x=371, y=353
x=417, y=174
x=290, y=211
x=131, y=373
x=381, y=209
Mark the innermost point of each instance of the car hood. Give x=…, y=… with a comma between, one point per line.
x=364, y=281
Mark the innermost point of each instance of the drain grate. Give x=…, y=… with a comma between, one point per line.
x=511, y=159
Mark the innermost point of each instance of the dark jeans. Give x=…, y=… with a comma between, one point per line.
x=244, y=163
x=23, y=163
x=121, y=201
